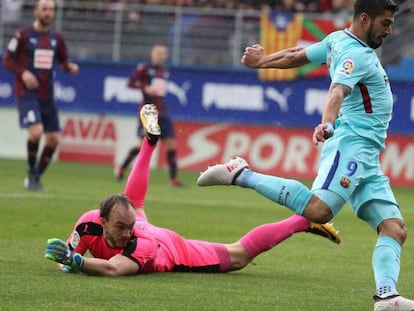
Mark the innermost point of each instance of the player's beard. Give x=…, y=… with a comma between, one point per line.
x=45, y=22
x=372, y=41
x=115, y=243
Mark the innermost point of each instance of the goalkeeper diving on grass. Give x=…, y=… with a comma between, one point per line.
x=122, y=241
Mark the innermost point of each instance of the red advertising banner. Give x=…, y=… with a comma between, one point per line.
x=88, y=139
x=286, y=152
x=275, y=150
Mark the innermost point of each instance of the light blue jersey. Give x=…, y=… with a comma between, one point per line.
x=367, y=110
x=349, y=163
x=349, y=166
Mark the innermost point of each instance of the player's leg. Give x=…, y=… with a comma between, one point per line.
x=35, y=132
x=287, y=192
x=387, y=254
x=171, y=153
x=49, y=148
x=52, y=140
x=119, y=171
x=267, y=236
x=335, y=182
x=30, y=118
x=137, y=183
x=168, y=138
x=201, y=256
x=384, y=216
x=50, y=120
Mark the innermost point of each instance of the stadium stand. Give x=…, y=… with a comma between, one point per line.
x=203, y=32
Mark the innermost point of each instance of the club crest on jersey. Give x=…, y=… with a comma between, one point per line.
x=345, y=182
x=347, y=67
x=74, y=239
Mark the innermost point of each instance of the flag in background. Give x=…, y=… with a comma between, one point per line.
x=315, y=30
x=279, y=31
x=284, y=30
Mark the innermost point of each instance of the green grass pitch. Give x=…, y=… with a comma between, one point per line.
x=305, y=272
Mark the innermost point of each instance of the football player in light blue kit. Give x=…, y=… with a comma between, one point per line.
x=354, y=127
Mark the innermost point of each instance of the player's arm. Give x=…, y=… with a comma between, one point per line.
x=136, y=79
x=58, y=251
x=139, y=80
x=10, y=63
x=254, y=57
x=71, y=67
x=118, y=265
x=14, y=49
x=62, y=56
x=337, y=93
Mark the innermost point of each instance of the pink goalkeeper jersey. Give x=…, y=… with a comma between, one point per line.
x=154, y=249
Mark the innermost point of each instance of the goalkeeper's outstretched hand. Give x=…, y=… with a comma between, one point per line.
x=58, y=251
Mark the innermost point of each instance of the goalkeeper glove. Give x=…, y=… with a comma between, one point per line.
x=67, y=269
x=58, y=251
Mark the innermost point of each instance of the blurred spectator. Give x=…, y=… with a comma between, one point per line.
x=342, y=7
x=293, y=5
x=250, y=4
x=307, y=5
x=286, y=6
x=313, y=6
x=342, y=12
x=325, y=5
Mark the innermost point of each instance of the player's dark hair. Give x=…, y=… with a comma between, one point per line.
x=374, y=8
x=110, y=202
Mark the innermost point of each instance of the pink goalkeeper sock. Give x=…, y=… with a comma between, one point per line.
x=267, y=236
x=138, y=179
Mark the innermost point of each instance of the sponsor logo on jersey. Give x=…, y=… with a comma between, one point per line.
x=74, y=239
x=347, y=67
x=43, y=59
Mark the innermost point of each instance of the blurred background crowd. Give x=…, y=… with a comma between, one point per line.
x=317, y=6
x=198, y=32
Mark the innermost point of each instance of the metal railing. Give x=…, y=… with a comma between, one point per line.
x=196, y=36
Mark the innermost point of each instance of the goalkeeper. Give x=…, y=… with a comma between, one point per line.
x=123, y=242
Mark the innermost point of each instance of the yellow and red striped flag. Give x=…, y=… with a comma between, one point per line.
x=279, y=31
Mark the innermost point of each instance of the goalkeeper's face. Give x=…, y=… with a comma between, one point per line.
x=119, y=226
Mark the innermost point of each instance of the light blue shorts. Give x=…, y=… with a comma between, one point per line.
x=350, y=168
